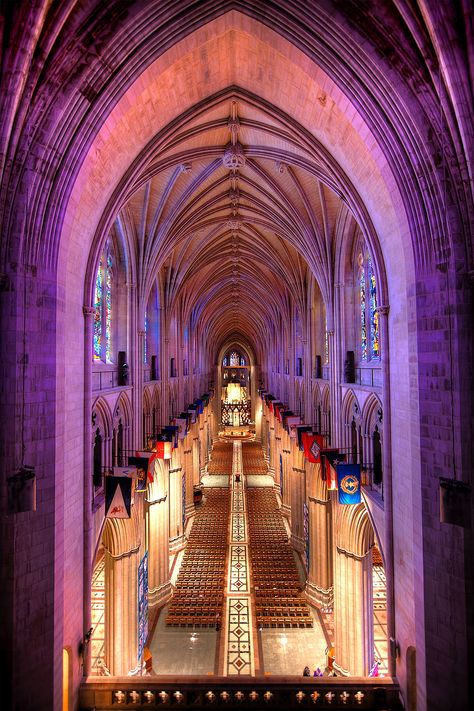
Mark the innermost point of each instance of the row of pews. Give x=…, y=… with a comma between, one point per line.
x=276, y=584
x=199, y=593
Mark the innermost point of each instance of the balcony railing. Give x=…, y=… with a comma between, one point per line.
x=150, y=692
x=104, y=379
x=371, y=377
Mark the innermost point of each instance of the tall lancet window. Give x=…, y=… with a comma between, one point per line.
x=103, y=302
x=374, y=315
x=145, y=343
x=368, y=318
x=362, y=307
x=234, y=358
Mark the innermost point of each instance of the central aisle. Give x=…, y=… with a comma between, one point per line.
x=239, y=649
x=238, y=561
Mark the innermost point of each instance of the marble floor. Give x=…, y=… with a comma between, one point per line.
x=183, y=650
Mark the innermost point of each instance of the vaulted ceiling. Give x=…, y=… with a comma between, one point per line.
x=238, y=209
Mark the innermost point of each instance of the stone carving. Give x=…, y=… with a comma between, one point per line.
x=233, y=157
x=120, y=697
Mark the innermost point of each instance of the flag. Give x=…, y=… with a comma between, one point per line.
x=192, y=409
x=332, y=458
x=348, y=481
x=173, y=430
x=300, y=429
x=279, y=408
x=199, y=406
x=164, y=446
x=129, y=471
x=312, y=444
x=292, y=423
x=150, y=468
x=141, y=464
x=182, y=425
x=284, y=418
x=118, y=496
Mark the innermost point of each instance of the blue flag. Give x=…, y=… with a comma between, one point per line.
x=348, y=481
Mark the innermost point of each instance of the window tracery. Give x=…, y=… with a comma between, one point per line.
x=368, y=318
x=103, y=303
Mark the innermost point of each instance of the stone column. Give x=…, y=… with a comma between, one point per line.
x=176, y=541
x=297, y=479
x=188, y=468
x=353, y=591
x=157, y=519
x=387, y=481
x=319, y=584
x=89, y=312
x=287, y=478
x=121, y=632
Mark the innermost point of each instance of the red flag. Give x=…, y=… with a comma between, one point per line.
x=312, y=444
x=164, y=450
x=151, y=456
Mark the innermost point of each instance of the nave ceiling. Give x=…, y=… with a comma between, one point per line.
x=236, y=210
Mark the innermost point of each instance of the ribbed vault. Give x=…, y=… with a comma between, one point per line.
x=235, y=210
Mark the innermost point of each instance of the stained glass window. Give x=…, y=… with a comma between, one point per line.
x=326, y=343
x=224, y=362
x=145, y=355
x=103, y=308
x=242, y=360
x=98, y=303
x=362, y=307
x=374, y=316
x=108, y=309
x=234, y=358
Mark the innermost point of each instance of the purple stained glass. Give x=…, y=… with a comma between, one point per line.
x=98, y=303
x=362, y=304
x=145, y=354
x=108, y=309
x=234, y=358
x=374, y=317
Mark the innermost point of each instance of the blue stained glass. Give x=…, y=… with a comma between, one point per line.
x=108, y=309
x=374, y=316
x=146, y=338
x=98, y=303
x=362, y=303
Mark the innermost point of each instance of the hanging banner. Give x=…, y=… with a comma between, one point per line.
x=129, y=471
x=173, y=431
x=182, y=425
x=192, y=409
x=142, y=604
x=332, y=457
x=300, y=429
x=312, y=445
x=348, y=481
x=292, y=423
x=164, y=446
x=118, y=496
x=281, y=475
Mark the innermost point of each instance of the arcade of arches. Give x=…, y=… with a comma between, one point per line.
x=231, y=230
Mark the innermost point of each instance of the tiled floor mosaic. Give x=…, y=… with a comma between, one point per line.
x=239, y=646
x=98, y=616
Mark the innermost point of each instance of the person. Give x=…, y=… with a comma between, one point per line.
x=218, y=622
x=306, y=671
x=237, y=477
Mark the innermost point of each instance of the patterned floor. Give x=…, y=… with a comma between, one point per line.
x=239, y=653
x=380, y=617
x=98, y=615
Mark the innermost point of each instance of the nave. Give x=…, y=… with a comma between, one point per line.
x=239, y=570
